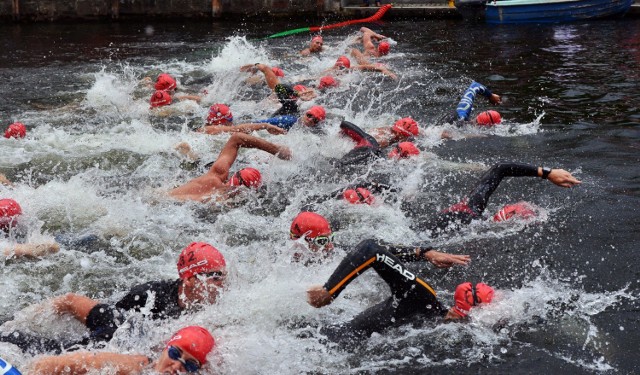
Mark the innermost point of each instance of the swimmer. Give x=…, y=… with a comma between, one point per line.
x=411, y=296
x=343, y=65
x=369, y=147
x=315, y=46
x=289, y=112
x=186, y=351
x=220, y=120
x=473, y=205
x=202, y=274
x=166, y=82
x=465, y=106
x=217, y=180
x=317, y=234
x=10, y=212
x=369, y=48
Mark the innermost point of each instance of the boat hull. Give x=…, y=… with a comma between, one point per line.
x=541, y=11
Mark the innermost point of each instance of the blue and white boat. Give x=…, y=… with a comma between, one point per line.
x=540, y=11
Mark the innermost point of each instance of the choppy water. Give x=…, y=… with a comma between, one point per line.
x=95, y=161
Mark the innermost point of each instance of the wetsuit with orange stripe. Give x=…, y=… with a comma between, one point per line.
x=410, y=295
x=474, y=204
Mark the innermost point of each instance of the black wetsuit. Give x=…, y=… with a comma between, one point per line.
x=103, y=320
x=288, y=98
x=367, y=148
x=410, y=295
x=475, y=203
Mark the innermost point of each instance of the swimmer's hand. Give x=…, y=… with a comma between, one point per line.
x=318, y=296
x=275, y=130
x=444, y=260
x=4, y=180
x=250, y=68
x=495, y=99
x=563, y=178
x=284, y=153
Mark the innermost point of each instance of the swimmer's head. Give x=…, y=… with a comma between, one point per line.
x=249, y=177
x=520, y=210
x=200, y=258
x=383, y=48
x=300, y=88
x=193, y=340
x=160, y=98
x=315, y=229
x=404, y=150
x=10, y=211
x=277, y=71
x=16, y=130
x=466, y=297
x=343, y=62
x=314, y=115
x=405, y=127
x=165, y=82
x=358, y=196
x=316, y=44
x=327, y=81
x=219, y=114
x=488, y=118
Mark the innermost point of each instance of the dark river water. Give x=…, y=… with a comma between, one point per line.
x=95, y=160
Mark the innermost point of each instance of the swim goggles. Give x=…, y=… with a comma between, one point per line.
x=214, y=275
x=191, y=365
x=319, y=241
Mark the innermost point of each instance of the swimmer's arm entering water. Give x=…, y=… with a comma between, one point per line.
x=244, y=128
x=31, y=251
x=85, y=362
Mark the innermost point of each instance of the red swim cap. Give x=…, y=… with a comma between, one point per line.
x=199, y=257
x=327, y=81
x=160, y=98
x=16, y=130
x=406, y=126
x=309, y=225
x=404, y=150
x=165, y=82
x=194, y=340
x=521, y=210
x=383, y=48
x=249, y=177
x=300, y=88
x=277, y=71
x=466, y=297
x=219, y=114
x=318, y=38
x=488, y=118
x=343, y=61
x=9, y=212
x=317, y=112
x=358, y=196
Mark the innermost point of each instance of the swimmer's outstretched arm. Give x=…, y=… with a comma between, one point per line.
x=84, y=362
x=229, y=152
x=376, y=68
x=269, y=75
x=366, y=254
x=30, y=250
x=243, y=128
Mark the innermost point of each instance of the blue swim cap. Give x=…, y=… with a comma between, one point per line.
x=7, y=369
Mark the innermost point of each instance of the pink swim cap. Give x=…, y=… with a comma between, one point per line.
x=199, y=257
x=16, y=130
